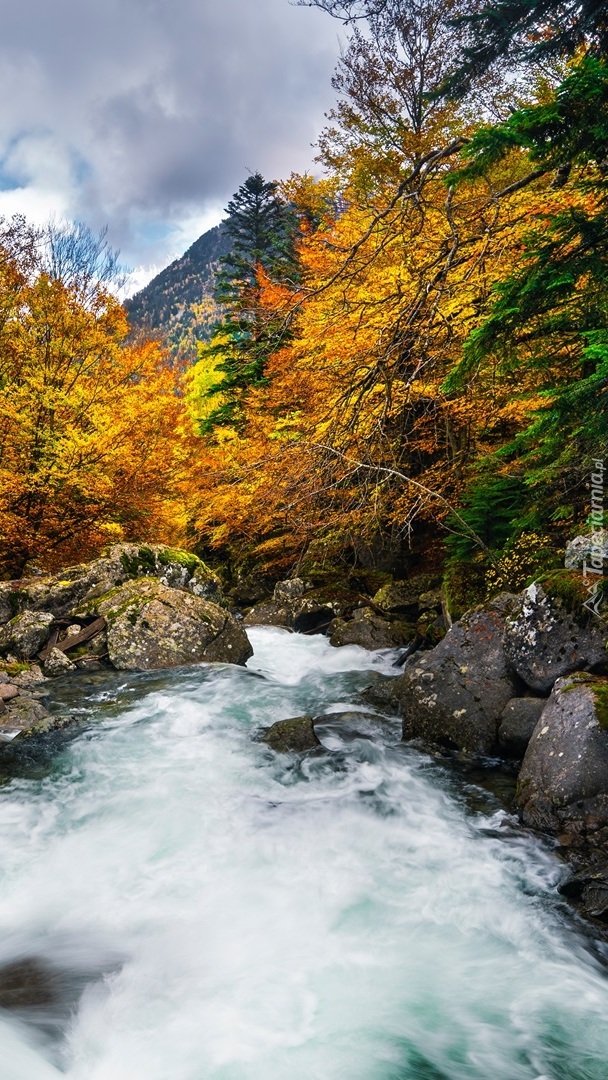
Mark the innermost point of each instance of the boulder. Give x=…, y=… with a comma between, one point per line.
x=151, y=626
x=8, y=691
x=303, y=614
x=563, y=782
x=296, y=734
x=403, y=597
x=455, y=695
x=57, y=664
x=550, y=635
x=61, y=594
x=371, y=631
x=25, y=634
x=517, y=724
x=24, y=715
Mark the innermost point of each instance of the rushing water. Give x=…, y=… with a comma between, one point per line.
x=221, y=913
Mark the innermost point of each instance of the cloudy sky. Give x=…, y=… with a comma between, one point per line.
x=146, y=115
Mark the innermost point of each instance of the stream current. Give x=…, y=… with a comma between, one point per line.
x=207, y=910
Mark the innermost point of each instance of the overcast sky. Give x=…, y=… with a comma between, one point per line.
x=146, y=115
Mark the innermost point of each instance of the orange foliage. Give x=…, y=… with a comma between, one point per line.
x=87, y=425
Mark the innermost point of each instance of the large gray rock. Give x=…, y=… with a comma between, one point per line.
x=76, y=586
x=25, y=634
x=371, y=631
x=455, y=695
x=151, y=626
x=294, y=735
x=517, y=724
x=548, y=638
x=563, y=782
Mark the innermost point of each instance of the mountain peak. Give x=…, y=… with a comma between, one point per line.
x=178, y=304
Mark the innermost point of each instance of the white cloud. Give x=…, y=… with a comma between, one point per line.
x=145, y=115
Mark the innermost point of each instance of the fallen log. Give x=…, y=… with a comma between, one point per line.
x=87, y=632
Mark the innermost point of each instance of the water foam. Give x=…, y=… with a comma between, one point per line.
x=257, y=918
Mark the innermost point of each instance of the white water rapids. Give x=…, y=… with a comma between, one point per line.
x=248, y=916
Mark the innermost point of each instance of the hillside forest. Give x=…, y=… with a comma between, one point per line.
x=410, y=368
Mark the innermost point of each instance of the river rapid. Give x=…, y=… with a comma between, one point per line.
x=213, y=911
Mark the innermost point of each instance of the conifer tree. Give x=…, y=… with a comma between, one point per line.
x=262, y=228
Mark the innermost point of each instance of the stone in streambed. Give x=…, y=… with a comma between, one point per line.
x=57, y=664
x=295, y=735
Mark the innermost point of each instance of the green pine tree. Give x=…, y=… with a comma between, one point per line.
x=263, y=229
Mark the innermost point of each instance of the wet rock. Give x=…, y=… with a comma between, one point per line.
x=57, y=664
x=24, y=715
x=28, y=983
x=151, y=626
x=588, y=888
x=25, y=634
x=382, y=694
x=517, y=724
x=296, y=734
x=371, y=631
x=547, y=637
x=563, y=782
x=352, y=724
x=303, y=614
x=455, y=695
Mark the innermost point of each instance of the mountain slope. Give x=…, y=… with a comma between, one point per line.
x=178, y=303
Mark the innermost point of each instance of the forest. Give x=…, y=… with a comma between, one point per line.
x=411, y=365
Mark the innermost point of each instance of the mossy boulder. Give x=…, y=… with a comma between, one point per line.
x=408, y=597
x=25, y=634
x=72, y=588
x=152, y=626
x=551, y=634
x=563, y=782
x=294, y=735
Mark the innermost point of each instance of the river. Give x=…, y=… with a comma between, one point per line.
x=212, y=911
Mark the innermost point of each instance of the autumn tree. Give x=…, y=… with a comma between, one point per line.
x=87, y=422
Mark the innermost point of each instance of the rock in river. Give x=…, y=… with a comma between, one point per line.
x=152, y=626
x=455, y=695
x=563, y=783
x=296, y=734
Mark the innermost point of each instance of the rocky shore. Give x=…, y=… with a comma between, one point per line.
x=522, y=678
